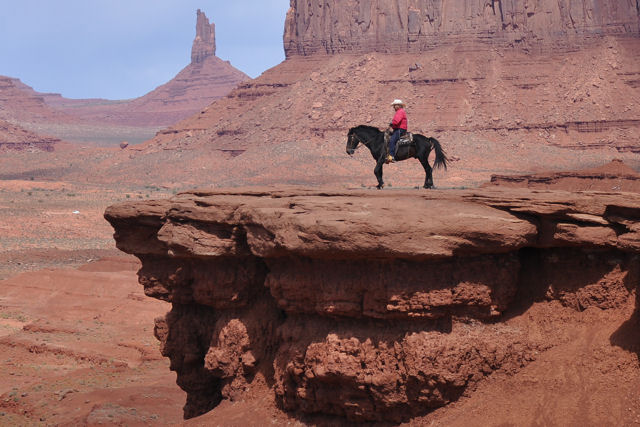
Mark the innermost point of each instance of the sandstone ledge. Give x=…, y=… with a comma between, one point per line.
x=409, y=225
x=350, y=302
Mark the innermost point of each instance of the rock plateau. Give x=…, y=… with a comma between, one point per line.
x=370, y=306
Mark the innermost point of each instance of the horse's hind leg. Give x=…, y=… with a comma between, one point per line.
x=378, y=173
x=428, y=180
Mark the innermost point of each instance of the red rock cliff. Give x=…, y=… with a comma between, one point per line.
x=369, y=306
x=329, y=26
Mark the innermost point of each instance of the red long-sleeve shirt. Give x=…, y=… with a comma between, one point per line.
x=400, y=120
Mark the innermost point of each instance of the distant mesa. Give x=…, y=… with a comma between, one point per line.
x=16, y=138
x=106, y=122
x=19, y=102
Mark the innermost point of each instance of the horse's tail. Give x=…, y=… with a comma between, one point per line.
x=441, y=157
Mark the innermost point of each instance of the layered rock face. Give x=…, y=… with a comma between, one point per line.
x=327, y=26
x=20, y=102
x=614, y=176
x=369, y=306
x=16, y=138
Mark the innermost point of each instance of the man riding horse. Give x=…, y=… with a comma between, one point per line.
x=398, y=127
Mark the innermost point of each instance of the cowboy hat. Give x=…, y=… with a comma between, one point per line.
x=397, y=102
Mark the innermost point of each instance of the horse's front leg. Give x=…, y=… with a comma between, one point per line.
x=378, y=173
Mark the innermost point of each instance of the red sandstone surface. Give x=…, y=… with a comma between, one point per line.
x=556, y=335
x=382, y=306
x=76, y=349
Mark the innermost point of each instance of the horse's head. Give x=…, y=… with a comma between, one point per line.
x=352, y=142
x=365, y=135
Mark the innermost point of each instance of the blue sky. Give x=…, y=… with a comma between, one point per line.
x=119, y=49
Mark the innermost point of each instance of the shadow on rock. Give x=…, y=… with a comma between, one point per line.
x=628, y=335
x=578, y=278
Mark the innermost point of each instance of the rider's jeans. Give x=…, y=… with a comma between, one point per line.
x=395, y=136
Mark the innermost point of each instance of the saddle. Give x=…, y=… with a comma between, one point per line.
x=405, y=139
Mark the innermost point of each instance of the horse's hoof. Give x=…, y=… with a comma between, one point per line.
x=380, y=186
x=428, y=187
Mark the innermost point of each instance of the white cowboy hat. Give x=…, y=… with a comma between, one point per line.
x=397, y=102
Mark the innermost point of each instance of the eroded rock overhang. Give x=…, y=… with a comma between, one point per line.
x=349, y=302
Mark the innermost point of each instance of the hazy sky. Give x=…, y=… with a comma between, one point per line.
x=118, y=49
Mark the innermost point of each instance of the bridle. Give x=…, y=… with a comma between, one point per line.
x=354, y=137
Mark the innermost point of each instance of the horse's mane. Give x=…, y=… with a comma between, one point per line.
x=365, y=128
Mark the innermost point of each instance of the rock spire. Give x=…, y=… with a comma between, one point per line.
x=204, y=44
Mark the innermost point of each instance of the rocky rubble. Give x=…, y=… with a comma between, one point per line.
x=369, y=306
x=329, y=26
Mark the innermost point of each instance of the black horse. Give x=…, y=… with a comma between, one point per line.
x=373, y=139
